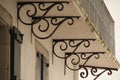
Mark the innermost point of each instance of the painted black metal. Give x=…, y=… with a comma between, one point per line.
x=15, y=35
x=43, y=65
x=70, y=43
x=40, y=58
x=74, y=44
x=94, y=71
x=44, y=8
x=41, y=5
x=78, y=59
x=51, y=21
x=12, y=77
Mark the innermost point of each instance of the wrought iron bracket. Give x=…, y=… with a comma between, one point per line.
x=72, y=45
x=94, y=71
x=35, y=14
x=76, y=61
x=49, y=24
x=65, y=44
x=40, y=6
x=79, y=58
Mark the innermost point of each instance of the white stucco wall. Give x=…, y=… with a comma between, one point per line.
x=28, y=51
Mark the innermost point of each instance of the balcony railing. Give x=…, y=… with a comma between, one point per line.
x=100, y=17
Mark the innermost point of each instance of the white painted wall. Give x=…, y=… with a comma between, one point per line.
x=28, y=56
x=113, y=7
x=28, y=52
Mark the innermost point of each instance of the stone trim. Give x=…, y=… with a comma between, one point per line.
x=40, y=48
x=5, y=17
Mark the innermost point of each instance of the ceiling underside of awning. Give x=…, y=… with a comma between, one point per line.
x=75, y=28
x=80, y=30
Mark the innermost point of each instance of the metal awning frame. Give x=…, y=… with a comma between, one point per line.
x=57, y=21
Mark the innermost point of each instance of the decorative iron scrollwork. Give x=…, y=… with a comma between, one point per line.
x=31, y=9
x=66, y=49
x=95, y=71
x=72, y=45
x=36, y=14
x=49, y=24
x=79, y=58
x=65, y=44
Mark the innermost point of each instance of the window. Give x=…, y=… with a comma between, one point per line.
x=42, y=67
x=4, y=53
x=5, y=23
x=41, y=62
x=16, y=40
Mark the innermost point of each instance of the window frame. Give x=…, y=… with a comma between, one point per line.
x=41, y=50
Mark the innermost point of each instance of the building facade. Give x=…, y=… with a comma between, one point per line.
x=54, y=40
x=101, y=21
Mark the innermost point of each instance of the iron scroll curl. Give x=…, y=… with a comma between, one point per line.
x=65, y=44
x=31, y=9
x=55, y=21
x=34, y=13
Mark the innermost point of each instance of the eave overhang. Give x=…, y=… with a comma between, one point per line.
x=71, y=35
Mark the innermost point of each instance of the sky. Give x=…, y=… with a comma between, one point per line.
x=114, y=9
